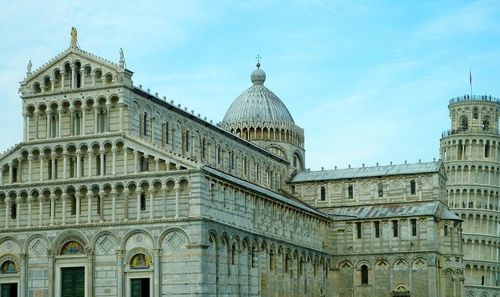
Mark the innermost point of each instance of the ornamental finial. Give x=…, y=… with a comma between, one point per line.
x=258, y=60
x=74, y=37
x=122, y=59
x=28, y=68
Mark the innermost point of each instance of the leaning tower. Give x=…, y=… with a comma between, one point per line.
x=471, y=155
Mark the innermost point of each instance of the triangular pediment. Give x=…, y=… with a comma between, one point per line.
x=87, y=68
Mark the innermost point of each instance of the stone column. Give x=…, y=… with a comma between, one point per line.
x=138, y=205
x=7, y=207
x=113, y=161
x=53, y=169
x=157, y=164
x=47, y=116
x=30, y=213
x=78, y=198
x=18, y=211
x=121, y=116
x=151, y=204
x=124, y=160
x=59, y=117
x=176, y=189
x=25, y=127
x=40, y=209
x=82, y=126
x=119, y=271
x=11, y=167
x=62, y=79
x=51, y=280
x=96, y=115
x=52, y=208
x=90, y=155
x=136, y=153
x=63, y=210
x=65, y=165
x=102, y=194
x=125, y=195
x=89, y=207
x=30, y=167
x=73, y=75
x=90, y=272
x=164, y=201
x=23, y=276
x=113, y=206
x=156, y=273
x=36, y=124
x=101, y=156
x=78, y=164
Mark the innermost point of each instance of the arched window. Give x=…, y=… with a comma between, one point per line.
x=487, y=149
x=53, y=125
x=380, y=188
x=413, y=187
x=102, y=117
x=323, y=194
x=72, y=248
x=350, y=191
x=445, y=230
x=13, y=211
x=364, y=274
x=186, y=141
x=77, y=120
x=464, y=123
x=139, y=261
x=486, y=123
x=145, y=124
x=73, y=205
x=8, y=267
x=143, y=201
x=475, y=113
x=254, y=257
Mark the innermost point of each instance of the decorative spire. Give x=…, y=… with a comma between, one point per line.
x=28, y=68
x=74, y=38
x=258, y=60
x=122, y=63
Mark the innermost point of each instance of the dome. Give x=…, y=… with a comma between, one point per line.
x=258, y=104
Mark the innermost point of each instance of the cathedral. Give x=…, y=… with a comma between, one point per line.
x=114, y=191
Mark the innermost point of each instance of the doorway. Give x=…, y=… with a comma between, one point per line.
x=73, y=282
x=139, y=287
x=8, y=290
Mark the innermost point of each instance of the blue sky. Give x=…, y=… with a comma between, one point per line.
x=369, y=81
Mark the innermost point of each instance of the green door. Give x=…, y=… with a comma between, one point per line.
x=8, y=290
x=73, y=282
x=139, y=287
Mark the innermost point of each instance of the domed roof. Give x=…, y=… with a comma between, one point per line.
x=257, y=104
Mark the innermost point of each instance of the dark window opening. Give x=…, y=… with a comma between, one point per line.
x=145, y=124
x=350, y=192
x=13, y=211
x=143, y=201
x=413, y=227
x=487, y=150
x=14, y=174
x=377, y=229
x=413, y=187
x=358, y=230
x=98, y=204
x=73, y=205
x=380, y=187
x=395, y=229
x=323, y=194
x=445, y=230
x=364, y=275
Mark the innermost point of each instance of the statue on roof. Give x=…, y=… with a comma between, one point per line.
x=122, y=59
x=74, y=37
x=28, y=68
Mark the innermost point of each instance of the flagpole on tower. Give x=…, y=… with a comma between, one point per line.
x=470, y=82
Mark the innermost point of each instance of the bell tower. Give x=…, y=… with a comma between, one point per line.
x=471, y=156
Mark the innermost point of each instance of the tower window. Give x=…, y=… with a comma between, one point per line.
x=413, y=187
x=358, y=230
x=145, y=124
x=13, y=211
x=445, y=230
x=475, y=113
x=380, y=187
x=73, y=205
x=413, y=227
x=350, y=192
x=323, y=194
x=486, y=123
x=487, y=150
x=376, y=225
x=143, y=201
x=364, y=275
x=464, y=123
x=395, y=228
